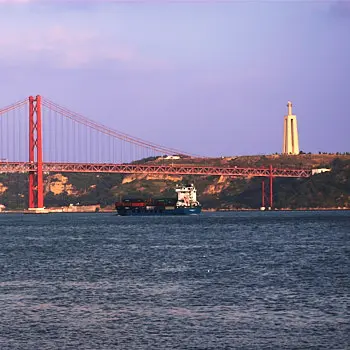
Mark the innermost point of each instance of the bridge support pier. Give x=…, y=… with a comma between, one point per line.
x=267, y=196
x=271, y=187
x=36, y=185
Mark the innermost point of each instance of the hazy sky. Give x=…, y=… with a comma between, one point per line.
x=207, y=77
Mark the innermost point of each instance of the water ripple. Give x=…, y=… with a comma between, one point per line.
x=216, y=281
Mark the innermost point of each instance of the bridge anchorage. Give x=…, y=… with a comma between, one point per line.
x=73, y=143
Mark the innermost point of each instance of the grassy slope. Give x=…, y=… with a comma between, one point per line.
x=324, y=190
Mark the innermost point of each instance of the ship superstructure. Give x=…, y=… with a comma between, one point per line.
x=186, y=196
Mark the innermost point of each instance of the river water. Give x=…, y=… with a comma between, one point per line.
x=252, y=280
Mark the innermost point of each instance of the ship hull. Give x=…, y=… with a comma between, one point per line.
x=130, y=211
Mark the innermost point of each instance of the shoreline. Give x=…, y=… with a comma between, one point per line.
x=278, y=209
x=106, y=211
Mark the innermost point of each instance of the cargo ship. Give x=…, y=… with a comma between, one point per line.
x=185, y=204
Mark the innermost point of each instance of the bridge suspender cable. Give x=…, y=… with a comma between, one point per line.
x=110, y=132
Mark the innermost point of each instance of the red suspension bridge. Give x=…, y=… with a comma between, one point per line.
x=39, y=136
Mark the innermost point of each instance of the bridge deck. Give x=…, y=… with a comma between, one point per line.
x=178, y=169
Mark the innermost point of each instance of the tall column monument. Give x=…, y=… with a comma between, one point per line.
x=290, y=133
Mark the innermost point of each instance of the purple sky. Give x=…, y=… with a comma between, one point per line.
x=207, y=77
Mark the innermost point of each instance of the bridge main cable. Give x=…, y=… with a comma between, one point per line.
x=108, y=131
x=13, y=106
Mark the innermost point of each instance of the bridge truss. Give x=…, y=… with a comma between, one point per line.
x=178, y=169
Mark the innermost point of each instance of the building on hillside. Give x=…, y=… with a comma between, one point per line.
x=320, y=171
x=174, y=157
x=290, y=132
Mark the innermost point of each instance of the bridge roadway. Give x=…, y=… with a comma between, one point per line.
x=173, y=169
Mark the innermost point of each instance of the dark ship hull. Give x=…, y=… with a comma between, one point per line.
x=154, y=207
x=144, y=211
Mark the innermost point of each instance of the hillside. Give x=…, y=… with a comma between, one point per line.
x=324, y=190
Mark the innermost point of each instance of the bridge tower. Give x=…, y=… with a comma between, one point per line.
x=36, y=187
x=290, y=133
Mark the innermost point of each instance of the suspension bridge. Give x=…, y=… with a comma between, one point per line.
x=38, y=136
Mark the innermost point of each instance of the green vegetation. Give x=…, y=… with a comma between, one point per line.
x=16, y=194
x=325, y=190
